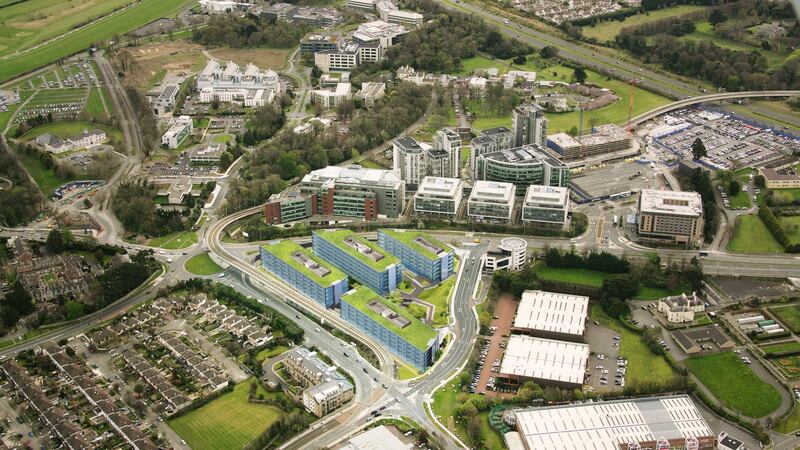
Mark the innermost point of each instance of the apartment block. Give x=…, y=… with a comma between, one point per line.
x=326, y=389
x=305, y=271
x=529, y=125
x=671, y=217
x=438, y=196
x=491, y=201
x=392, y=326
x=362, y=260
x=419, y=253
x=489, y=141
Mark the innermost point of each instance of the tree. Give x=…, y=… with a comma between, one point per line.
x=716, y=17
x=521, y=59
x=580, y=75
x=138, y=388
x=74, y=309
x=698, y=149
x=55, y=242
x=734, y=187
x=549, y=51
x=760, y=181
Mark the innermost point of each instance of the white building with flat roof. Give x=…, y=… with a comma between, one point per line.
x=378, y=438
x=179, y=128
x=671, y=216
x=370, y=92
x=546, y=206
x=331, y=98
x=439, y=196
x=227, y=83
x=552, y=315
x=510, y=254
x=613, y=425
x=378, y=32
x=491, y=201
x=544, y=361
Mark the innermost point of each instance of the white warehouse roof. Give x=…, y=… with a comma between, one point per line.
x=552, y=312
x=606, y=425
x=545, y=359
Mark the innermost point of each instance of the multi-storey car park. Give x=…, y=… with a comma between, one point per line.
x=419, y=253
x=361, y=259
x=392, y=326
x=306, y=271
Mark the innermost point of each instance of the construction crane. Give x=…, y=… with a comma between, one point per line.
x=633, y=84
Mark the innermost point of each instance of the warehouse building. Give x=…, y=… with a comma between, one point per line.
x=491, y=202
x=552, y=315
x=419, y=253
x=361, y=259
x=671, y=217
x=522, y=166
x=546, y=206
x=644, y=423
x=305, y=271
x=438, y=196
x=544, y=361
x=392, y=326
x=354, y=191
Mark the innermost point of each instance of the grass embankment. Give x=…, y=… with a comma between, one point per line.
x=750, y=235
x=445, y=402
x=202, y=264
x=735, y=384
x=174, y=241
x=595, y=278
x=439, y=296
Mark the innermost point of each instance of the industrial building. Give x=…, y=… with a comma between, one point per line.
x=546, y=206
x=529, y=125
x=522, y=166
x=491, y=201
x=305, y=271
x=643, y=423
x=509, y=254
x=419, y=253
x=354, y=191
x=671, y=217
x=179, y=128
x=604, y=139
x=361, y=259
x=392, y=326
x=552, y=315
x=489, y=141
x=437, y=196
x=544, y=361
x=230, y=83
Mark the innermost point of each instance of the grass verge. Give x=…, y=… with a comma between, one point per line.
x=202, y=264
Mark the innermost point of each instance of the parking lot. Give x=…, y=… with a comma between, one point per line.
x=616, y=177
x=747, y=288
x=605, y=370
x=491, y=350
x=181, y=167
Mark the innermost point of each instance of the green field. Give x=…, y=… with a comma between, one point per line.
x=144, y=12
x=750, y=235
x=790, y=423
x=66, y=129
x=228, y=422
x=45, y=178
x=595, y=278
x=705, y=32
x=644, y=366
x=440, y=297
x=174, y=241
x=734, y=384
x=271, y=352
x=608, y=30
x=740, y=200
x=782, y=348
x=94, y=106
x=788, y=315
x=791, y=224
x=202, y=264
x=470, y=65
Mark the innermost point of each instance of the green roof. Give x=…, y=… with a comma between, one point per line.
x=415, y=333
x=408, y=237
x=285, y=249
x=338, y=236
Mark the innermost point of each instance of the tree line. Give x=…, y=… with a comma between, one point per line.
x=136, y=208
x=776, y=229
x=23, y=200
x=250, y=30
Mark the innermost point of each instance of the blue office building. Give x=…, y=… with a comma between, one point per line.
x=305, y=271
x=392, y=326
x=419, y=253
x=359, y=258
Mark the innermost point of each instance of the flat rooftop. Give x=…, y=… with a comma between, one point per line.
x=305, y=261
x=439, y=187
x=545, y=359
x=671, y=202
x=607, y=425
x=527, y=154
x=546, y=195
x=492, y=191
x=354, y=174
x=421, y=242
x=774, y=175
x=390, y=316
x=359, y=247
x=495, y=131
x=552, y=312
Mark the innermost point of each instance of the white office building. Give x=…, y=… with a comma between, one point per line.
x=552, y=315
x=546, y=206
x=179, y=128
x=230, y=83
x=439, y=196
x=671, y=217
x=379, y=32
x=491, y=201
x=331, y=98
x=370, y=92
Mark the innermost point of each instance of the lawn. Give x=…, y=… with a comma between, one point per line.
x=45, y=178
x=650, y=293
x=143, y=12
x=174, y=241
x=740, y=200
x=202, y=264
x=705, y=32
x=579, y=276
x=782, y=348
x=405, y=372
x=95, y=104
x=791, y=224
x=734, y=384
x=608, y=30
x=228, y=422
x=66, y=129
x=470, y=65
x=439, y=296
x=370, y=164
x=788, y=315
x=644, y=366
x=271, y=352
x=750, y=235
x=222, y=138
x=790, y=423
x=445, y=402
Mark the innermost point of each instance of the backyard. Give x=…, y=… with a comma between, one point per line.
x=734, y=384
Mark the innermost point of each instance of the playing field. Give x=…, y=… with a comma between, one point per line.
x=734, y=384
x=608, y=30
x=130, y=19
x=791, y=225
x=788, y=315
x=750, y=235
x=202, y=264
x=228, y=422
